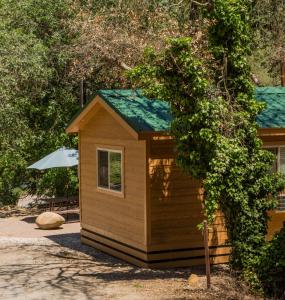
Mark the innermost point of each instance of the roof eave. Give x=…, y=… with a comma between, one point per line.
x=151, y=134
x=271, y=131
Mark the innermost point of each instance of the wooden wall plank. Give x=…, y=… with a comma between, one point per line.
x=121, y=217
x=276, y=222
x=176, y=203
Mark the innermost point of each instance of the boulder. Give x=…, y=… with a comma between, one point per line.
x=49, y=220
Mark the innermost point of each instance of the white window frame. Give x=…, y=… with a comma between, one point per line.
x=109, y=190
x=282, y=194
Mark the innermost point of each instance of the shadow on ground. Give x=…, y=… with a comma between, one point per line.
x=66, y=269
x=117, y=268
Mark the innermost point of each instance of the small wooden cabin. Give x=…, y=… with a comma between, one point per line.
x=135, y=203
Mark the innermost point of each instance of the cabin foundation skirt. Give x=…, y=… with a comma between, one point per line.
x=167, y=258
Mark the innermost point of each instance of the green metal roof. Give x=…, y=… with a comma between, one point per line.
x=141, y=113
x=274, y=114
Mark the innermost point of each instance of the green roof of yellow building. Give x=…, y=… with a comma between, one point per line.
x=274, y=114
x=144, y=114
x=141, y=113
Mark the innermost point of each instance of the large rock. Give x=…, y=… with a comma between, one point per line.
x=49, y=220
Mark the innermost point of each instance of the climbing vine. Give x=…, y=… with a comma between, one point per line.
x=214, y=111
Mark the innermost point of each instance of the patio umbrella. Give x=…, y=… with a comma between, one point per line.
x=62, y=157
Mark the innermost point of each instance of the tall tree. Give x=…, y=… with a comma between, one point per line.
x=36, y=101
x=268, y=22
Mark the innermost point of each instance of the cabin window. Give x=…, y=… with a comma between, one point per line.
x=109, y=169
x=279, y=166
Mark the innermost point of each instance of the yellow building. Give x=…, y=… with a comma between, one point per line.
x=135, y=202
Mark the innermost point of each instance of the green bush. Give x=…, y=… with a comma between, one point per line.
x=271, y=270
x=59, y=182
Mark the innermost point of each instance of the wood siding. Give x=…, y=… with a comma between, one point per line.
x=176, y=207
x=176, y=210
x=119, y=217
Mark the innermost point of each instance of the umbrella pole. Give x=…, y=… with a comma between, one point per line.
x=67, y=206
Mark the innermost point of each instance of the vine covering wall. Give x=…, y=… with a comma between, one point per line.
x=214, y=111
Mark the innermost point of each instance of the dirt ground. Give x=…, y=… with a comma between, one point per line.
x=41, y=265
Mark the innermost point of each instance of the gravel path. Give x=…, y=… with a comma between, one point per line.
x=55, y=265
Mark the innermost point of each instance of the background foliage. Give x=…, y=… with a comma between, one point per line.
x=36, y=100
x=268, y=22
x=47, y=47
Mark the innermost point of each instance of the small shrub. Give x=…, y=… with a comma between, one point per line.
x=58, y=182
x=272, y=266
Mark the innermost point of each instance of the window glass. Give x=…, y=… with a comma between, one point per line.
x=275, y=163
x=103, y=172
x=115, y=171
x=282, y=160
x=109, y=170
